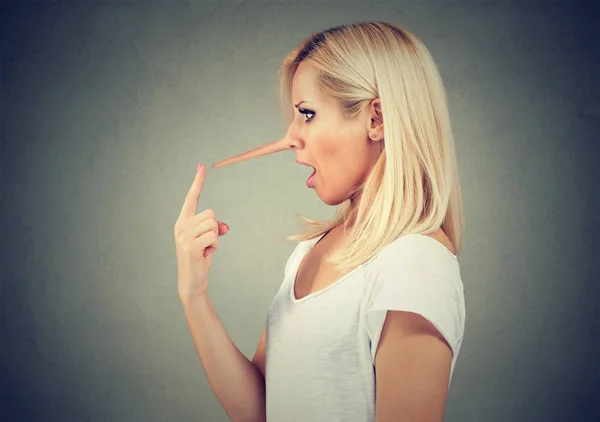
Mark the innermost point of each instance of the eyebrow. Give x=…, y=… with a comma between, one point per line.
x=296, y=105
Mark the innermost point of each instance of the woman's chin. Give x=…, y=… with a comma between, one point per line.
x=328, y=199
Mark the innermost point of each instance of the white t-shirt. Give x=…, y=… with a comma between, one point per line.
x=320, y=349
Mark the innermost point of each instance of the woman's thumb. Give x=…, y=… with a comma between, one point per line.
x=223, y=228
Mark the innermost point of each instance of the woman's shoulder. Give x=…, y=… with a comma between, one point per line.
x=416, y=244
x=417, y=263
x=419, y=248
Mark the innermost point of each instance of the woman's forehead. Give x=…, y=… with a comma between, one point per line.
x=305, y=88
x=304, y=83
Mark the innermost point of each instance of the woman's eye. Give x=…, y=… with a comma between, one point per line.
x=305, y=112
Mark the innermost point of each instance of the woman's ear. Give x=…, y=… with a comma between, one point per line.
x=375, y=115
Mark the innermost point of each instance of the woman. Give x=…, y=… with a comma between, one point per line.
x=369, y=320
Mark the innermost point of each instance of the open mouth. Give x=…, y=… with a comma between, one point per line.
x=311, y=179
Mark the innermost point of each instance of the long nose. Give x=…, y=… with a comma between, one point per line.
x=270, y=148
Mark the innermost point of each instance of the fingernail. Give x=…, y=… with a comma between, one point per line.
x=226, y=226
x=199, y=167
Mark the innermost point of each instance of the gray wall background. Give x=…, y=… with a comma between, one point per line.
x=107, y=107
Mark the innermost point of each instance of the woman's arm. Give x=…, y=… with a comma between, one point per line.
x=237, y=382
x=412, y=365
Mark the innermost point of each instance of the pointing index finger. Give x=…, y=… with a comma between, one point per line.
x=191, y=199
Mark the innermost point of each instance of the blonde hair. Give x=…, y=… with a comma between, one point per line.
x=413, y=188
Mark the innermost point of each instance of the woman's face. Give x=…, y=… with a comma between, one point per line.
x=341, y=151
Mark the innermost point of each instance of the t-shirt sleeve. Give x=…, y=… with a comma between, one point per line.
x=416, y=278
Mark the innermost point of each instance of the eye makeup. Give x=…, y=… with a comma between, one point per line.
x=305, y=112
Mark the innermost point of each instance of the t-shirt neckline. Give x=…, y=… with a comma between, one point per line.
x=314, y=241
x=307, y=249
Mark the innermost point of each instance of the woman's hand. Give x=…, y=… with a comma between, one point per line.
x=196, y=238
